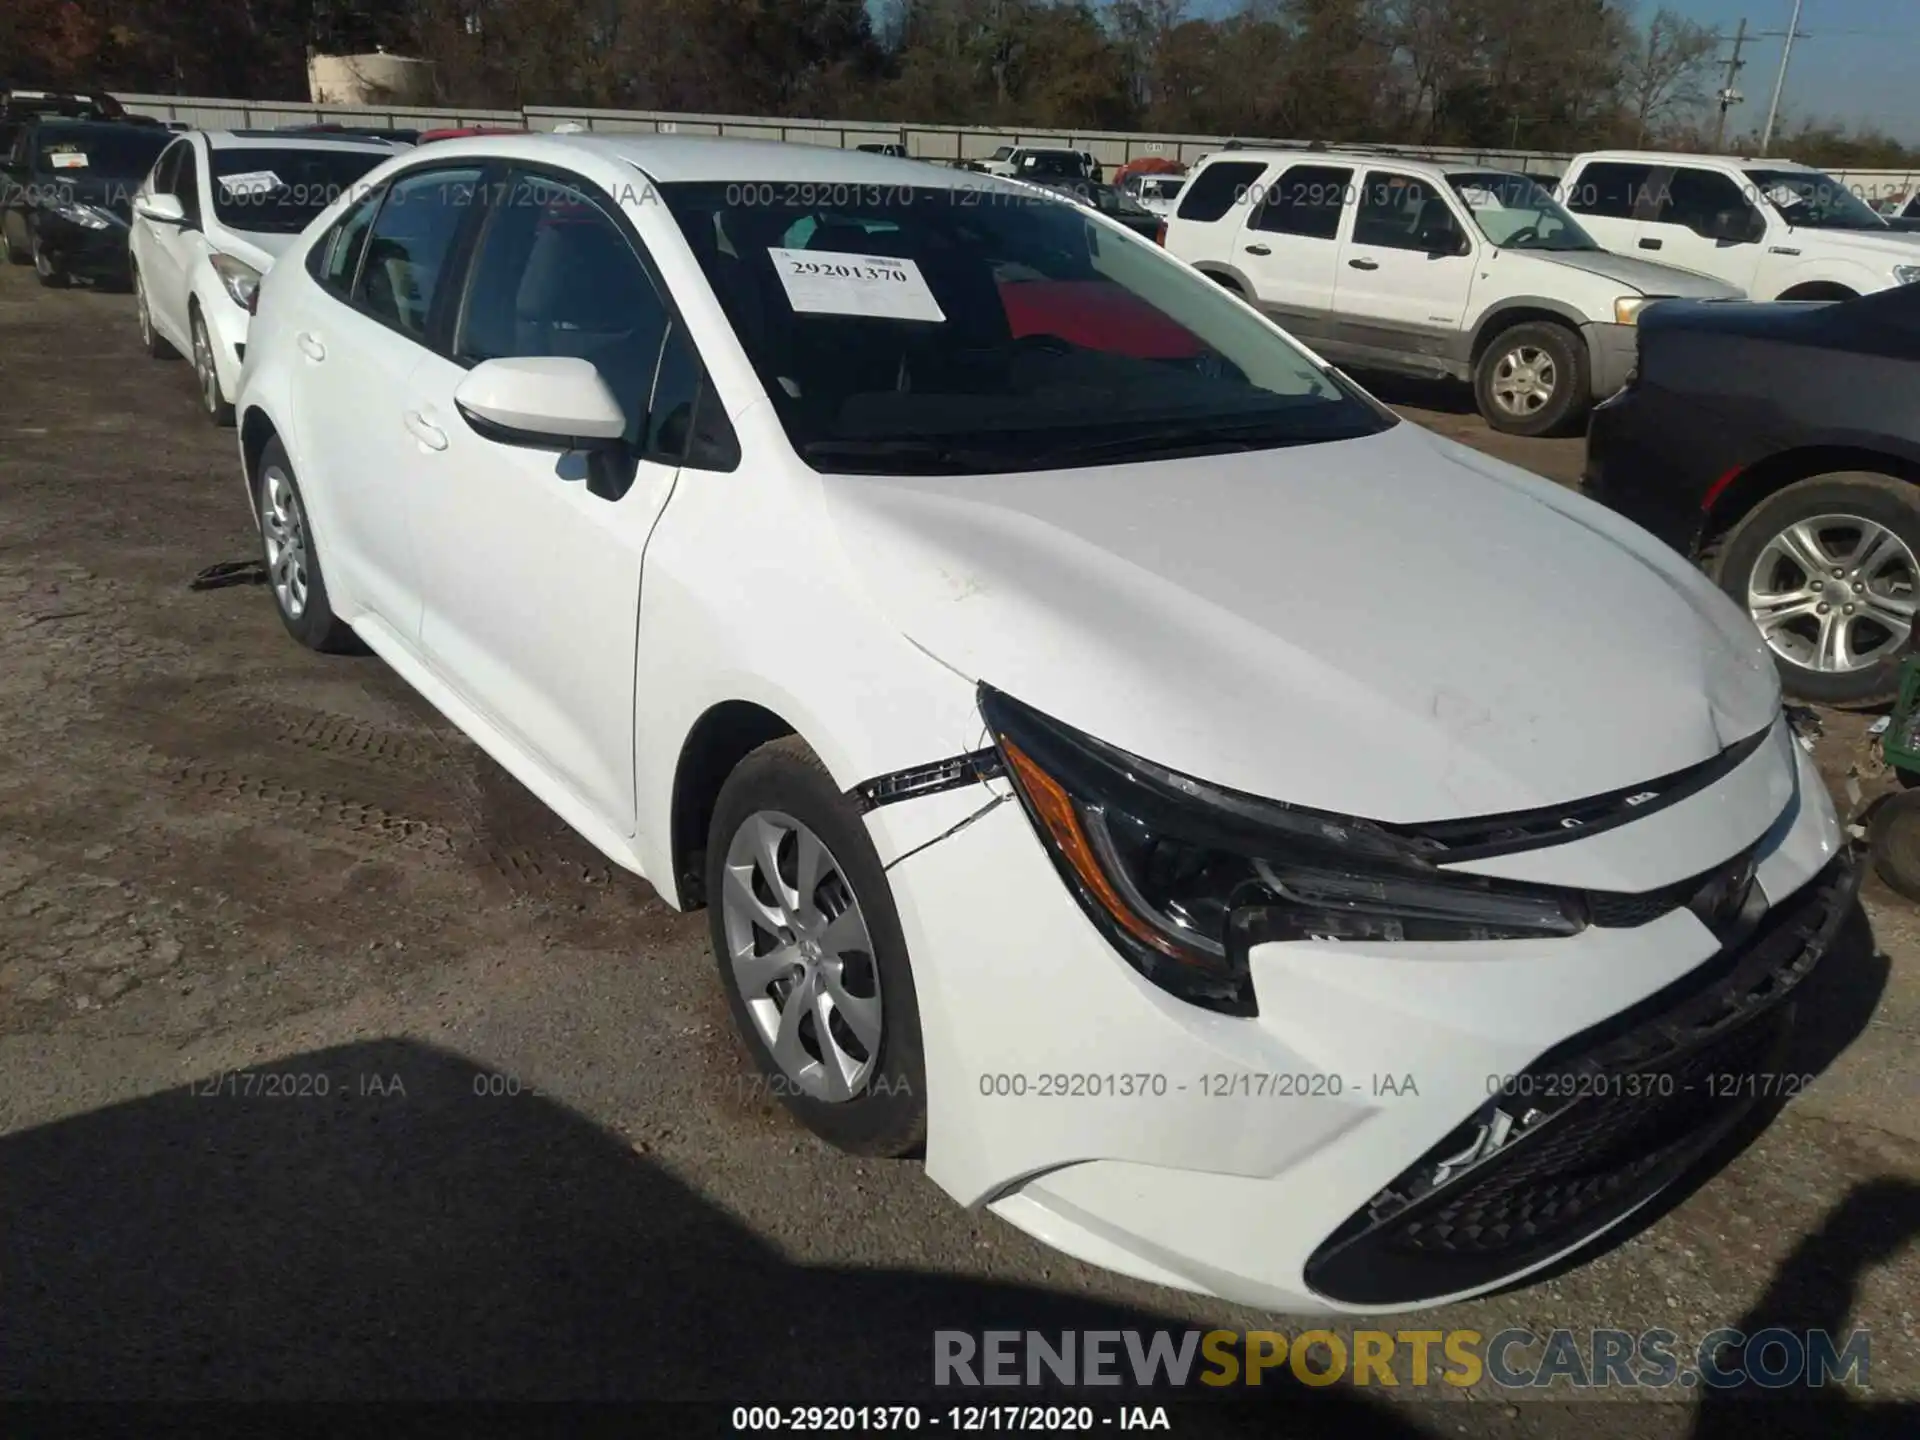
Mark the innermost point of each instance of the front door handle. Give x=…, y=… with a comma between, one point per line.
x=310, y=345
x=425, y=431
x=1258, y=250
x=1364, y=264
x=1650, y=244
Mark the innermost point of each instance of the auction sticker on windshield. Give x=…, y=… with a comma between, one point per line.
x=250, y=182
x=69, y=160
x=829, y=282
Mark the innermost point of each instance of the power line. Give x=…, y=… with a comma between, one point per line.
x=1729, y=96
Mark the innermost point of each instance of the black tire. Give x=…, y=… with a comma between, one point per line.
x=887, y=1112
x=14, y=255
x=1893, y=839
x=155, y=345
x=1881, y=499
x=1567, y=401
x=206, y=375
x=52, y=274
x=1227, y=283
x=313, y=624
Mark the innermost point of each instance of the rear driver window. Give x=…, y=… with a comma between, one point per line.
x=408, y=248
x=1218, y=188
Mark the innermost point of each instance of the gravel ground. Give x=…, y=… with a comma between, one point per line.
x=540, y=1169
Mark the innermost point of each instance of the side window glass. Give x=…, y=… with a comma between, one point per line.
x=1218, y=188
x=1610, y=190
x=555, y=275
x=1702, y=200
x=1306, y=200
x=186, y=183
x=686, y=424
x=1404, y=213
x=408, y=247
x=340, y=252
x=167, y=169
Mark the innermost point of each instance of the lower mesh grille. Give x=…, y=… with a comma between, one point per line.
x=1594, y=1128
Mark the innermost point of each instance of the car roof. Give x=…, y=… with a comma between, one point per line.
x=87, y=124
x=673, y=159
x=1440, y=168
x=1670, y=157
x=281, y=140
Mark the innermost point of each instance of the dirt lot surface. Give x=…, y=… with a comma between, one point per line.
x=220, y=853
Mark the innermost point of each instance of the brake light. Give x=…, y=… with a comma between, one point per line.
x=1160, y=234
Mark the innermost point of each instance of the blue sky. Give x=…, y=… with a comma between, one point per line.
x=1860, y=62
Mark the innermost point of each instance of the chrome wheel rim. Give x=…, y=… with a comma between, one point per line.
x=800, y=952
x=1524, y=380
x=42, y=266
x=1834, y=593
x=203, y=367
x=284, y=528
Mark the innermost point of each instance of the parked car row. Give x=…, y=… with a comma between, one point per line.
x=1105, y=740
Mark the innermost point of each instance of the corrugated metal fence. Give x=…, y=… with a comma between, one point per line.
x=927, y=142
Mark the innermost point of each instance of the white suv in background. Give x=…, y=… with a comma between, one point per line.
x=209, y=219
x=1776, y=229
x=1157, y=193
x=1427, y=269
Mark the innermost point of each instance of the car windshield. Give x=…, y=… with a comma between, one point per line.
x=278, y=189
x=984, y=328
x=1811, y=200
x=99, y=152
x=1517, y=212
x=1162, y=189
x=1004, y=152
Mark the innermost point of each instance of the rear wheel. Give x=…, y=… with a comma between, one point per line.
x=1829, y=569
x=1532, y=379
x=811, y=953
x=1893, y=839
x=293, y=562
x=13, y=253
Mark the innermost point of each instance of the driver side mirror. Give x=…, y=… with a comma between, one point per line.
x=542, y=402
x=1735, y=227
x=161, y=209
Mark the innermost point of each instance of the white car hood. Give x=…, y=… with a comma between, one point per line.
x=1393, y=627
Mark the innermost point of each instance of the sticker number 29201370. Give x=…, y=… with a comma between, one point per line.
x=833, y=282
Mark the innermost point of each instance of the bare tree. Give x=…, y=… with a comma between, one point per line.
x=1665, y=72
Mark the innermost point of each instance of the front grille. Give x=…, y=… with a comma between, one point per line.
x=1591, y=1129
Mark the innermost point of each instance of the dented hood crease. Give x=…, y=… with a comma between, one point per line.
x=1393, y=627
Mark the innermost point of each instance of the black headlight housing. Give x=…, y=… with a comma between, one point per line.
x=1184, y=877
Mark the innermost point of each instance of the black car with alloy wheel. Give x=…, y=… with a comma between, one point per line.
x=1778, y=445
x=66, y=196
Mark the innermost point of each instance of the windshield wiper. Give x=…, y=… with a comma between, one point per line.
x=910, y=456
x=1183, y=439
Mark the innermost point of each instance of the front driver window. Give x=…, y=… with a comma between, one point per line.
x=556, y=276
x=408, y=248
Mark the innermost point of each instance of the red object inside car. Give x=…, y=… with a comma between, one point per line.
x=1097, y=315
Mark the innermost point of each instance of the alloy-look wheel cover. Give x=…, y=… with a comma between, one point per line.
x=203, y=367
x=800, y=952
x=283, y=526
x=1834, y=593
x=1524, y=381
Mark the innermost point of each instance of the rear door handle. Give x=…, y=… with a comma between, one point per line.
x=1364, y=264
x=1258, y=250
x=1650, y=244
x=425, y=431
x=310, y=345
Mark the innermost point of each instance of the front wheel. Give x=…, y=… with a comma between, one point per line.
x=293, y=562
x=811, y=954
x=151, y=340
x=1532, y=380
x=213, y=400
x=1829, y=569
x=52, y=273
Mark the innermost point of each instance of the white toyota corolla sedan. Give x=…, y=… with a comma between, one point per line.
x=1240, y=838
x=208, y=220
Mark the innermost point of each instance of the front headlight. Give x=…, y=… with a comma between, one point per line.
x=1184, y=878
x=1626, y=310
x=241, y=280
x=1906, y=274
x=89, y=217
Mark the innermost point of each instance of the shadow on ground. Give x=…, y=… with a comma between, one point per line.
x=447, y=1244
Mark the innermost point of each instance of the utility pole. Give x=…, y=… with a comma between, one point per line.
x=1729, y=96
x=1780, y=81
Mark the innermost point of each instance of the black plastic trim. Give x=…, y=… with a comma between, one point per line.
x=915, y=782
